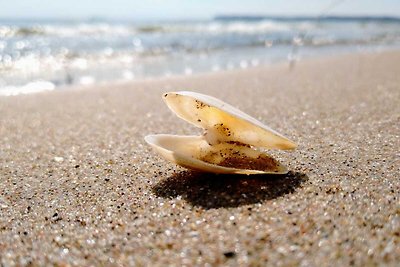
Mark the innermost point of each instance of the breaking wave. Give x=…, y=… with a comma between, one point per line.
x=48, y=54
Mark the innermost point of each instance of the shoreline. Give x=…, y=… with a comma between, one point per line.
x=34, y=86
x=79, y=186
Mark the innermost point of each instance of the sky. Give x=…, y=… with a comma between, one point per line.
x=189, y=9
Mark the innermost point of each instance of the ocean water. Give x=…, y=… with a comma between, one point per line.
x=39, y=55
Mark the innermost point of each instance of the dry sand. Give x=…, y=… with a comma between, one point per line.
x=78, y=185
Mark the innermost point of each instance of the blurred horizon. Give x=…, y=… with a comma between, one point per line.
x=191, y=10
x=221, y=16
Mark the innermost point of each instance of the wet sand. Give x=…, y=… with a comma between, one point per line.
x=79, y=186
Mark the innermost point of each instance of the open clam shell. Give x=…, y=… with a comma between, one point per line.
x=232, y=142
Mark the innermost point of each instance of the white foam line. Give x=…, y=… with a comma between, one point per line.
x=29, y=88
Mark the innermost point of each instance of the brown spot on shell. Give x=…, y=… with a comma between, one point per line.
x=223, y=129
x=200, y=104
x=234, y=158
x=238, y=143
x=261, y=163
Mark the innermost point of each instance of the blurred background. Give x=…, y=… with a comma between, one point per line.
x=46, y=45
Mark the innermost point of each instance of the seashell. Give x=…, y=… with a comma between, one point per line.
x=233, y=141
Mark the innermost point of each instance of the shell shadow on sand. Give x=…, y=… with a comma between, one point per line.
x=212, y=191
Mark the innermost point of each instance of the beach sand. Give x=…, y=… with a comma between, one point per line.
x=79, y=186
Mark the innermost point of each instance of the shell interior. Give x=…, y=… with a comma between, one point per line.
x=223, y=122
x=194, y=152
x=231, y=143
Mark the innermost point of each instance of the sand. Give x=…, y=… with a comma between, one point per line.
x=79, y=186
